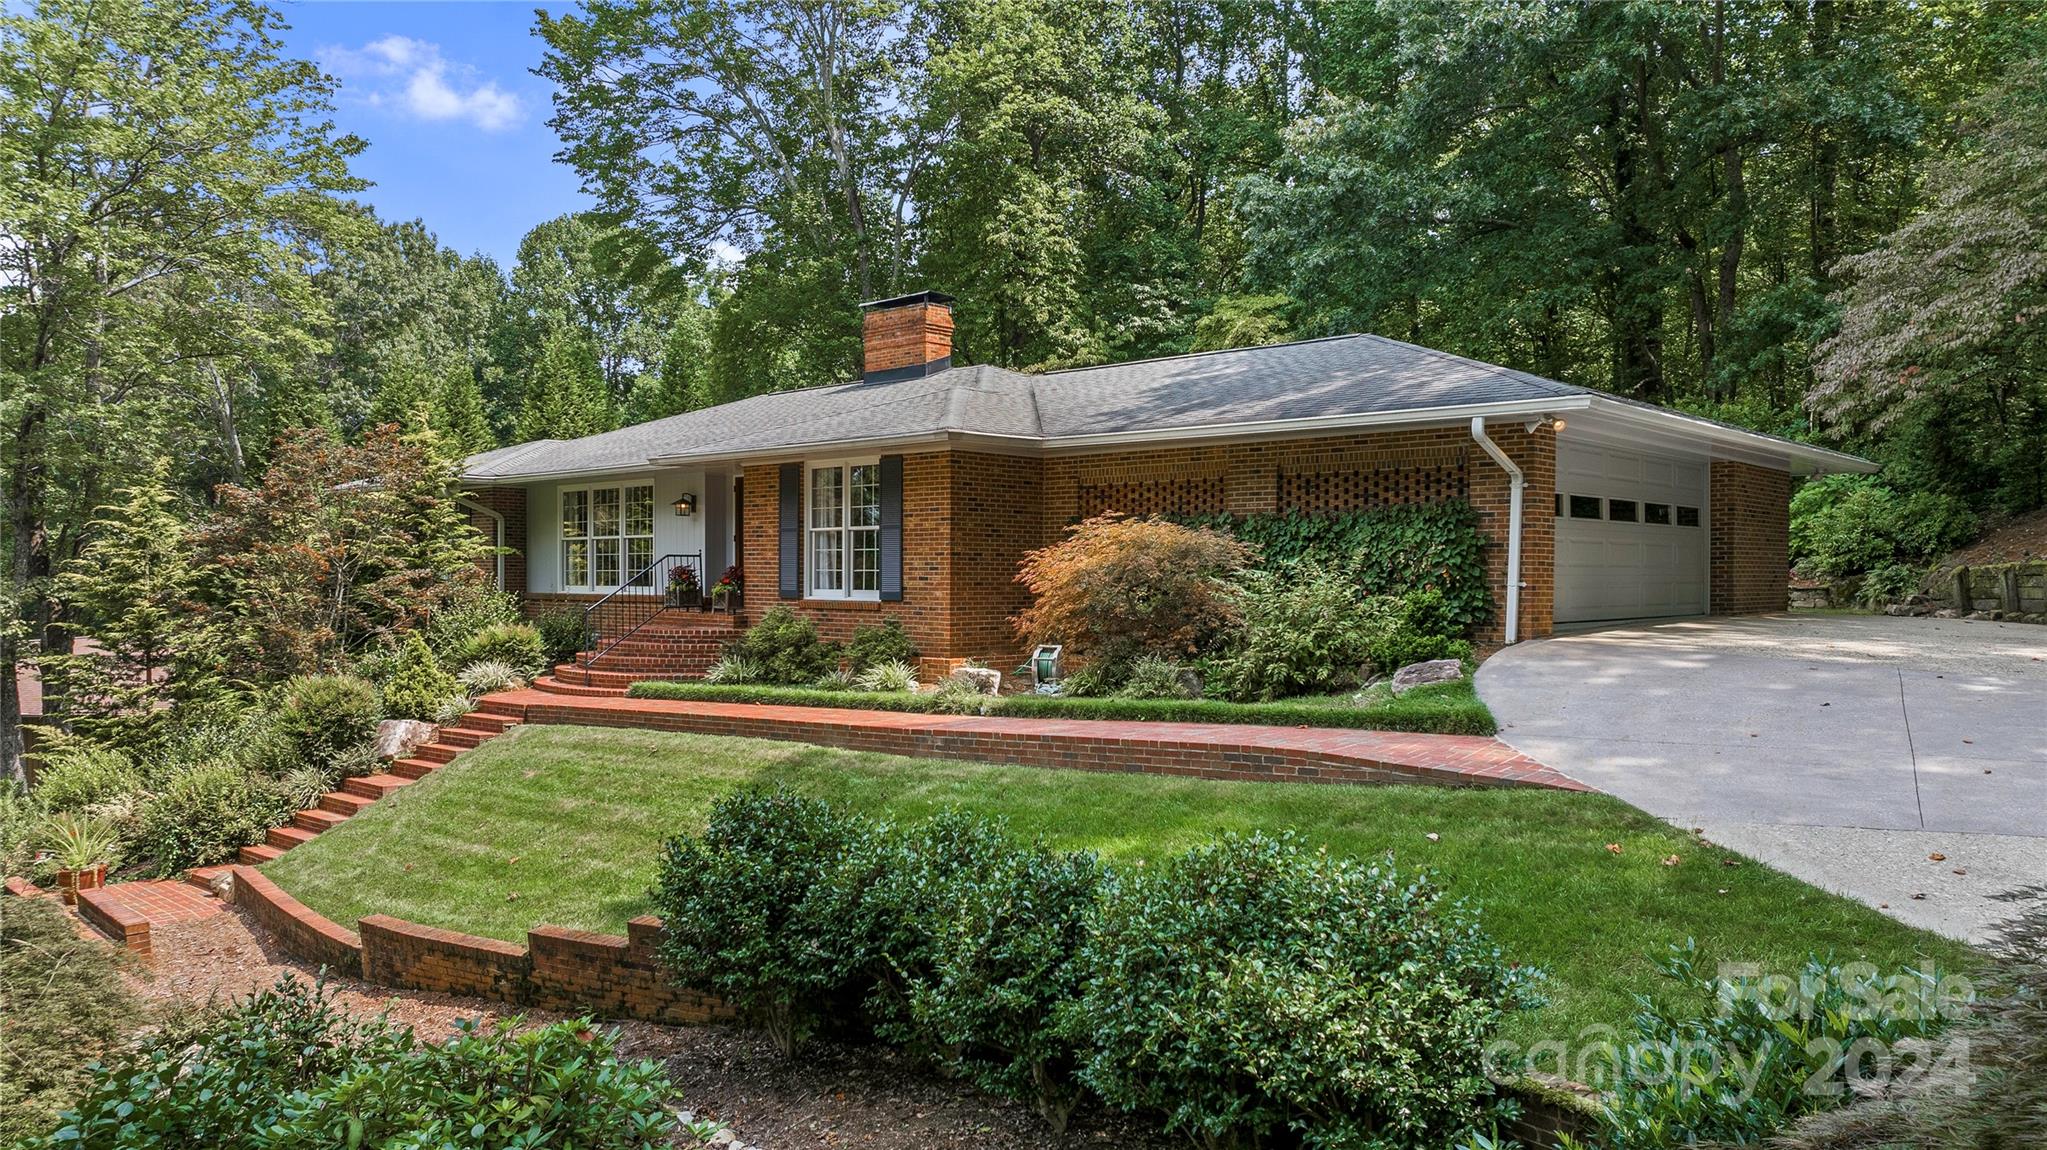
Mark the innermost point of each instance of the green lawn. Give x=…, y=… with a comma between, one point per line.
x=1440, y=708
x=560, y=825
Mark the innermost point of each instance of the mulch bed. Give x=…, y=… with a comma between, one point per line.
x=834, y=1095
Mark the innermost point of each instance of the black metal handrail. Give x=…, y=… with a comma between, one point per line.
x=635, y=602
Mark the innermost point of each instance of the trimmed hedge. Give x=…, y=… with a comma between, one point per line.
x=1445, y=709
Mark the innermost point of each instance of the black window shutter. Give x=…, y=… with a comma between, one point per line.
x=892, y=528
x=790, y=556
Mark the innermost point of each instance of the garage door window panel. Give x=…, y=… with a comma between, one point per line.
x=1656, y=513
x=1585, y=507
x=1620, y=510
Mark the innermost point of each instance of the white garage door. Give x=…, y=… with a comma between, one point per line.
x=1631, y=535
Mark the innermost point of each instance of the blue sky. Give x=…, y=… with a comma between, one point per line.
x=455, y=119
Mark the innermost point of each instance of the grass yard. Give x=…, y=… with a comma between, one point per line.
x=561, y=824
x=1440, y=708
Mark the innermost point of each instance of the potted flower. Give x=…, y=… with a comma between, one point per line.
x=725, y=592
x=81, y=847
x=684, y=588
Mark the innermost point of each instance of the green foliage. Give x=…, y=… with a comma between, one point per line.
x=1422, y=628
x=890, y=676
x=1256, y=989
x=563, y=632
x=1450, y=708
x=1740, y=1059
x=883, y=643
x=320, y=718
x=565, y=396
x=981, y=943
x=480, y=607
x=287, y=1067
x=1117, y=588
x=1384, y=551
x=63, y=1007
x=1243, y=321
x=517, y=645
x=1849, y=524
x=1153, y=677
x=84, y=775
x=207, y=813
x=732, y=670
x=489, y=675
x=784, y=648
x=752, y=905
x=419, y=685
x=1307, y=629
x=79, y=842
x=134, y=591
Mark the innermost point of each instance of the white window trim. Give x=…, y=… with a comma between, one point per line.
x=590, y=508
x=810, y=589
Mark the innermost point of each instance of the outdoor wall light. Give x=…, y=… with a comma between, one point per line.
x=1556, y=422
x=685, y=506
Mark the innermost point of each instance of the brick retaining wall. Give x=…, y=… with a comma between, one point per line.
x=572, y=971
x=301, y=932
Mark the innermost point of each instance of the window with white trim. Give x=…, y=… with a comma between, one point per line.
x=843, y=530
x=607, y=536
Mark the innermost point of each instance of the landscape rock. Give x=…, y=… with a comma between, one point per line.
x=1422, y=674
x=397, y=738
x=986, y=680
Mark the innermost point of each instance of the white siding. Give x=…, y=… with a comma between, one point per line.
x=673, y=534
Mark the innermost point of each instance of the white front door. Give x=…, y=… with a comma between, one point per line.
x=1631, y=534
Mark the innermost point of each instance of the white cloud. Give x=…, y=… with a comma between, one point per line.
x=411, y=76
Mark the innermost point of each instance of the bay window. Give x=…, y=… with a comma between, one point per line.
x=607, y=536
x=844, y=530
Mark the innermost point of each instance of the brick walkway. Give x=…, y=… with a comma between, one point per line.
x=164, y=901
x=1207, y=750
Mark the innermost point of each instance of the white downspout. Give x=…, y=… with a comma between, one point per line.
x=1513, y=527
x=498, y=518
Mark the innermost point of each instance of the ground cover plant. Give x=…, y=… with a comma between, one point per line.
x=1440, y=708
x=62, y=1006
x=287, y=1067
x=560, y=825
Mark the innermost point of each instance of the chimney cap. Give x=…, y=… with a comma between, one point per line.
x=914, y=297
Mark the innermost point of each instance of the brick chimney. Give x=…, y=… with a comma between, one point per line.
x=906, y=336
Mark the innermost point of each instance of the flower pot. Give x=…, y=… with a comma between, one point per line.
x=685, y=597
x=726, y=601
x=70, y=882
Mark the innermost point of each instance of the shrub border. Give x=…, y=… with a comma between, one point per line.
x=1475, y=720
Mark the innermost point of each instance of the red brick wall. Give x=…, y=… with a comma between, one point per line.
x=1751, y=538
x=1359, y=470
x=509, y=502
x=968, y=518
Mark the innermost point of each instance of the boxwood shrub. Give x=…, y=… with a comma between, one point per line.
x=1251, y=992
x=319, y=718
x=756, y=909
x=1256, y=990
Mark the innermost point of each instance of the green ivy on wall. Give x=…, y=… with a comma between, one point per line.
x=1389, y=550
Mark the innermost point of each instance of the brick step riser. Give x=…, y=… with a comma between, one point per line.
x=342, y=803
x=285, y=838
x=317, y=820
x=484, y=723
x=656, y=660
x=552, y=686
x=437, y=752
x=257, y=855
x=414, y=768
x=516, y=712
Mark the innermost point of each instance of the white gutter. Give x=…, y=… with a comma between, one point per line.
x=1513, y=527
x=497, y=518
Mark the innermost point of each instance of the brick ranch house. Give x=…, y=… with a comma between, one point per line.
x=913, y=491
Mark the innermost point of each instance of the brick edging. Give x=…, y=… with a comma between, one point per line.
x=572, y=971
x=1241, y=752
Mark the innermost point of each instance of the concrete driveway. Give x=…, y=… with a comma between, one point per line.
x=1843, y=748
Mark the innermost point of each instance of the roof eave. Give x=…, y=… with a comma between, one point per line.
x=1800, y=458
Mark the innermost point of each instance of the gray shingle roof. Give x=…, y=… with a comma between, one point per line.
x=1354, y=375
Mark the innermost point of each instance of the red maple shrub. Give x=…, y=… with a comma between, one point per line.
x=1117, y=588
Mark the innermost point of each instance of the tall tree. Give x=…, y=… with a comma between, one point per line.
x=565, y=395
x=571, y=275
x=160, y=161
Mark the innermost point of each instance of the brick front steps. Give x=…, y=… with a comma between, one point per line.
x=336, y=807
x=1215, y=751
